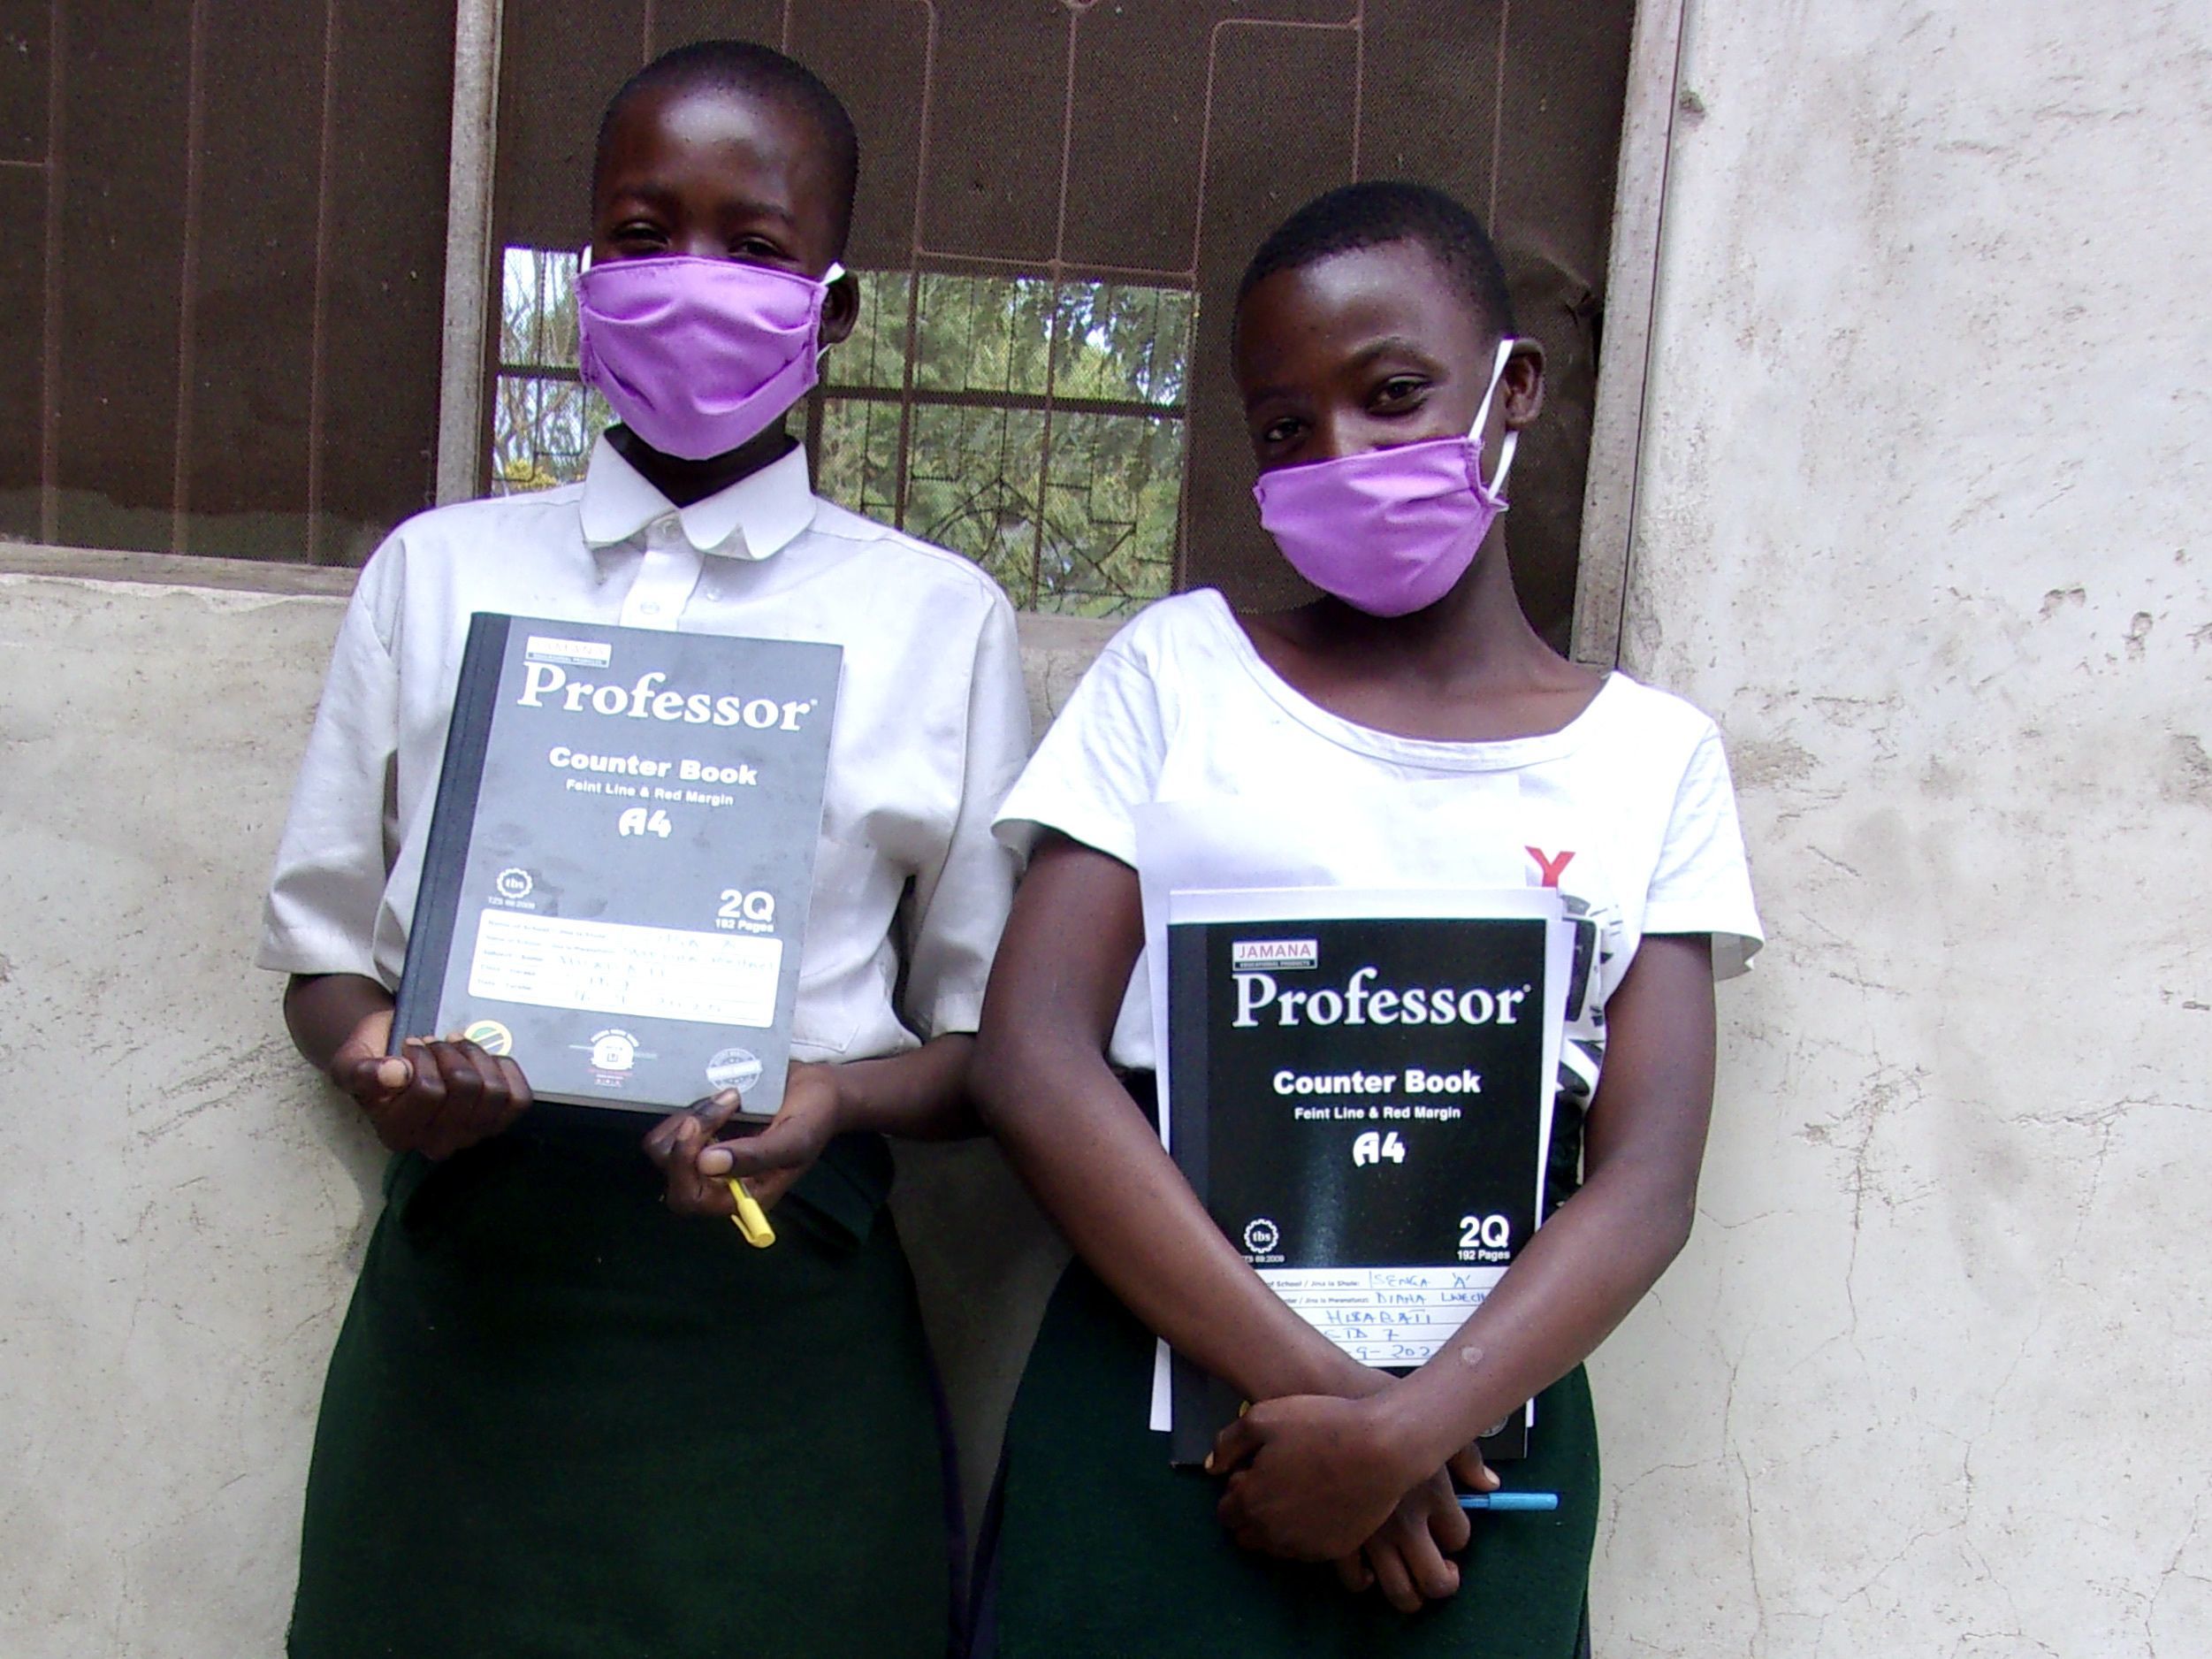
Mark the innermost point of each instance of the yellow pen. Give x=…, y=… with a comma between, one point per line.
x=751, y=1220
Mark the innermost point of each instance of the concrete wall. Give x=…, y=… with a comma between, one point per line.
x=1921, y=520
x=1917, y=519
x=182, y=1203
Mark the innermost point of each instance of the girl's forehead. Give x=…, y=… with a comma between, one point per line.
x=705, y=130
x=1343, y=303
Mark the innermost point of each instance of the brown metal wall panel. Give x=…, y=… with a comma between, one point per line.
x=250, y=289
x=560, y=62
x=1266, y=152
x=672, y=23
x=383, y=284
x=25, y=43
x=250, y=312
x=22, y=346
x=123, y=239
x=1430, y=95
x=1559, y=144
x=1138, y=129
x=874, y=54
x=997, y=94
x=1531, y=149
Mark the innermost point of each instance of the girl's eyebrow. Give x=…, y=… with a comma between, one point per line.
x=1390, y=344
x=750, y=210
x=660, y=199
x=650, y=196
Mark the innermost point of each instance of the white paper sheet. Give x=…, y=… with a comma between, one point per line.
x=615, y=969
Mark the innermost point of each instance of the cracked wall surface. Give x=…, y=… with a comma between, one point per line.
x=1920, y=521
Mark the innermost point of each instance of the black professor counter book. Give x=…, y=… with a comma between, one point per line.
x=621, y=859
x=1363, y=1103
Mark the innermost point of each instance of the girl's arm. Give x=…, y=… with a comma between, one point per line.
x=1311, y=1474
x=1086, y=1150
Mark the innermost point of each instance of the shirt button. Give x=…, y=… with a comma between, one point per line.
x=650, y=608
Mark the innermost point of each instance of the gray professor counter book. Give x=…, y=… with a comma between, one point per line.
x=621, y=859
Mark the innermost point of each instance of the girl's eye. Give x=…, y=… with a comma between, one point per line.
x=1280, y=431
x=1400, y=388
x=755, y=247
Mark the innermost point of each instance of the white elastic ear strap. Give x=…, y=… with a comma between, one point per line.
x=1482, y=415
x=835, y=273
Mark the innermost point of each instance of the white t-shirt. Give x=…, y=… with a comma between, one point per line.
x=932, y=725
x=1628, y=809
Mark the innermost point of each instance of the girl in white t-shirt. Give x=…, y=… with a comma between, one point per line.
x=1380, y=369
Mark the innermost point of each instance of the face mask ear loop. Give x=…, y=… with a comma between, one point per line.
x=830, y=277
x=584, y=262
x=1497, y=483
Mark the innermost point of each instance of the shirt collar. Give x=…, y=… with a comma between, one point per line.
x=754, y=518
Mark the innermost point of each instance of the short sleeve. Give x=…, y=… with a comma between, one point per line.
x=1100, y=761
x=1702, y=883
x=328, y=886
x=959, y=908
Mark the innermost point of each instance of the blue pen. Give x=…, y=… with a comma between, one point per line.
x=1523, y=1501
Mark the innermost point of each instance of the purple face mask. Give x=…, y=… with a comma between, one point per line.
x=697, y=356
x=1389, y=532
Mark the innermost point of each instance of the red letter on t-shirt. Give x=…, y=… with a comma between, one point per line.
x=1550, y=866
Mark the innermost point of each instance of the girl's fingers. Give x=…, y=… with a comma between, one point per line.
x=1391, y=1574
x=1468, y=1468
x=779, y=1146
x=716, y=1110
x=415, y=1114
x=768, y=1188
x=462, y=1122
x=1237, y=1444
x=660, y=1140
x=519, y=1097
x=1433, y=1576
x=1354, y=1573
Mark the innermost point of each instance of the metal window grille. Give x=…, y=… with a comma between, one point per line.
x=1035, y=425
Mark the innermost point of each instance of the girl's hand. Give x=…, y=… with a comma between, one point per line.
x=1308, y=1477
x=436, y=1098
x=1408, y=1555
x=698, y=1166
x=1314, y=1477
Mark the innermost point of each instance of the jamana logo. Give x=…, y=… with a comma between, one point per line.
x=1249, y=954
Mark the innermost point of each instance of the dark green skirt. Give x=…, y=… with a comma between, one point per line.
x=1103, y=1550
x=561, y=1421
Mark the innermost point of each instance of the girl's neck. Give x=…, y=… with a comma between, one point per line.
x=1469, y=667
x=684, y=482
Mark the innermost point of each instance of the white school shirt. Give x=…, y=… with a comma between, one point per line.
x=932, y=725
x=1628, y=809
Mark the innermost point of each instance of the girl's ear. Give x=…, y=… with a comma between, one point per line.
x=1521, y=388
x=841, y=309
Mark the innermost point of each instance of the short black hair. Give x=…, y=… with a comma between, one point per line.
x=752, y=70
x=1376, y=212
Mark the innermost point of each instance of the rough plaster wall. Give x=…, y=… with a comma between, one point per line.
x=182, y=1207
x=1921, y=522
